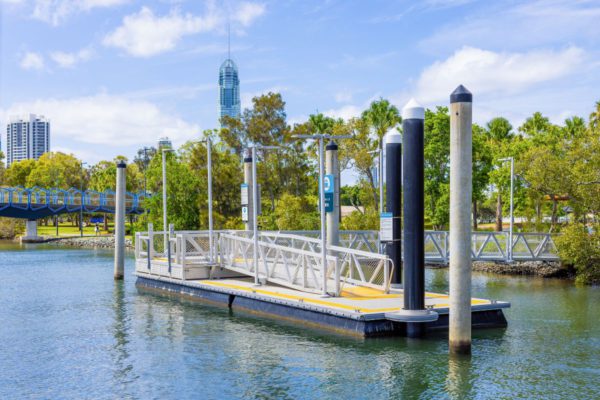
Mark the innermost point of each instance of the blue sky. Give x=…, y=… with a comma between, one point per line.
x=114, y=75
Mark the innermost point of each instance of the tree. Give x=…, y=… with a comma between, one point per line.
x=482, y=166
x=18, y=172
x=381, y=116
x=594, y=122
x=500, y=135
x=57, y=170
x=437, y=166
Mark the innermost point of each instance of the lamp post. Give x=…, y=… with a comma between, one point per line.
x=145, y=150
x=81, y=205
x=379, y=153
x=164, y=194
x=509, y=250
x=255, y=208
x=321, y=138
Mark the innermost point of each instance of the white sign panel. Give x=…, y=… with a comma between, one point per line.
x=386, y=227
x=244, y=189
x=244, y=213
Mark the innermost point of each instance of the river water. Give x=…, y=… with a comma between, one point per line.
x=68, y=331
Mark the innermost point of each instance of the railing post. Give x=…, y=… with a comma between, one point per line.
x=169, y=254
x=150, y=242
x=337, y=277
x=386, y=275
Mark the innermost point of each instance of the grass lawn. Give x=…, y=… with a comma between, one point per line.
x=67, y=229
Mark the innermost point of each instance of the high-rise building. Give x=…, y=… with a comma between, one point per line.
x=27, y=138
x=229, y=89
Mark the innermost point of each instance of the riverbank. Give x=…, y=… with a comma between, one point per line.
x=543, y=269
x=101, y=242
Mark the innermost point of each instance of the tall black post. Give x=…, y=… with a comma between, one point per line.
x=393, y=179
x=413, y=116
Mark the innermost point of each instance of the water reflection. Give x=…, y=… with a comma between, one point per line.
x=458, y=381
x=123, y=367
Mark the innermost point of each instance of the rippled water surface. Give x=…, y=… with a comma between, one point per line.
x=67, y=331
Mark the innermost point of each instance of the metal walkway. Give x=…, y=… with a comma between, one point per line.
x=288, y=260
x=36, y=202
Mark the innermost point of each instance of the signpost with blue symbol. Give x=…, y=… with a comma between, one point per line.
x=328, y=190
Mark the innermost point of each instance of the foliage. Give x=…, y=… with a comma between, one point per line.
x=297, y=213
x=580, y=248
x=11, y=227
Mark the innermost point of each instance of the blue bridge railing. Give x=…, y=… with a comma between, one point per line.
x=37, y=202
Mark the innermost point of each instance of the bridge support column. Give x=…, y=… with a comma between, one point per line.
x=393, y=179
x=461, y=165
x=31, y=234
x=332, y=167
x=119, y=270
x=249, y=224
x=413, y=116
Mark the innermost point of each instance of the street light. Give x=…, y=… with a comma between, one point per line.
x=321, y=138
x=510, y=232
x=255, y=208
x=81, y=205
x=379, y=153
x=164, y=194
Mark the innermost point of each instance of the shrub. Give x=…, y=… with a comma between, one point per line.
x=10, y=227
x=581, y=249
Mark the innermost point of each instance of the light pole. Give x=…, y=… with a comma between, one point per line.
x=321, y=138
x=509, y=250
x=255, y=209
x=164, y=193
x=81, y=205
x=379, y=153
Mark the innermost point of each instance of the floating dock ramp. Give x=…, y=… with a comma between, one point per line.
x=220, y=268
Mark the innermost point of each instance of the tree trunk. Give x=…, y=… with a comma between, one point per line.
x=474, y=215
x=105, y=222
x=499, y=213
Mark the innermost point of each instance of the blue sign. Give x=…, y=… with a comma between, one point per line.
x=328, y=202
x=329, y=184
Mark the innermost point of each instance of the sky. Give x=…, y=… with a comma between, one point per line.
x=115, y=75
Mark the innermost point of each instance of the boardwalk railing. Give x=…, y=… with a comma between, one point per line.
x=485, y=246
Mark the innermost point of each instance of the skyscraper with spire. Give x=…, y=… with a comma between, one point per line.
x=229, y=86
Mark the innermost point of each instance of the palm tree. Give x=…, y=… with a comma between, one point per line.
x=381, y=116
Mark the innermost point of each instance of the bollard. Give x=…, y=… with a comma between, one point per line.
x=393, y=179
x=248, y=181
x=461, y=165
x=413, y=116
x=332, y=167
x=120, y=222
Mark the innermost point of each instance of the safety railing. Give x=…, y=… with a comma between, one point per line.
x=485, y=246
x=357, y=267
x=284, y=265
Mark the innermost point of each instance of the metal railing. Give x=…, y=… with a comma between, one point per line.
x=486, y=246
x=73, y=199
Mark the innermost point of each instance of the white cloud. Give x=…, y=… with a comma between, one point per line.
x=68, y=60
x=346, y=112
x=145, y=34
x=32, y=60
x=519, y=25
x=485, y=72
x=247, y=12
x=55, y=12
x=343, y=96
x=107, y=120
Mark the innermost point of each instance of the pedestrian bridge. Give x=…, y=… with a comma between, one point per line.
x=34, y=203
